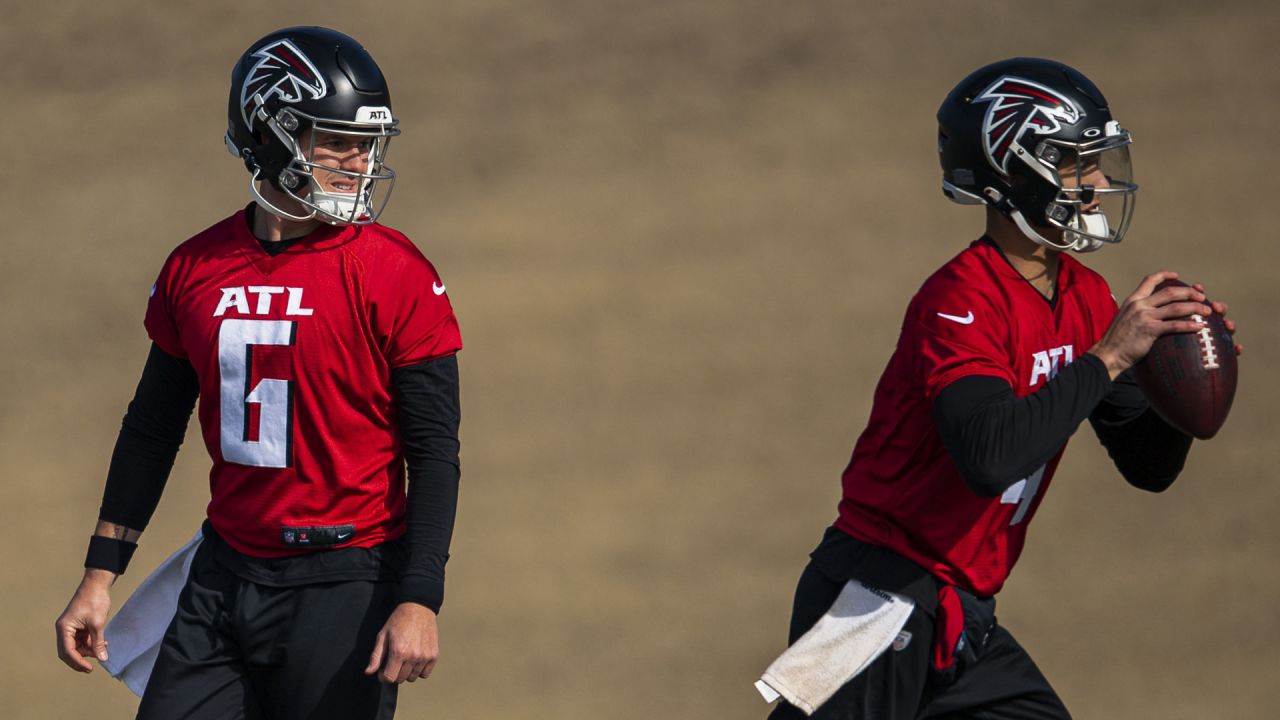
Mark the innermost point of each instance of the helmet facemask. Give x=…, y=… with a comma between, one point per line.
x=1096, y=194
x=371, y=185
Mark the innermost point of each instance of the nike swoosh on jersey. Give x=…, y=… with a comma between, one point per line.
x=963, y=320
x=437, y=288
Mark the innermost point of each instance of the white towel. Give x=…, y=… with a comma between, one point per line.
x=860, y=625
x=134, y=634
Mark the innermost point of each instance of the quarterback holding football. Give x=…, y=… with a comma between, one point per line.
x=1004, y=351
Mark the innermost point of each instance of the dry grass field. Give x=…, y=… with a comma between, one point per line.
x=679, y=237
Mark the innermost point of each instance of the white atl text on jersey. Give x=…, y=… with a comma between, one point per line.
x=237, y=298
x=1048, y=362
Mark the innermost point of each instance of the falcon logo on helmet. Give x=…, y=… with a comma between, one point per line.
x=282, y=70
x=1018, y=106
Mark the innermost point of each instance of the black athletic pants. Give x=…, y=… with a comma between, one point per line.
x=1004, y=683
x=239, y=649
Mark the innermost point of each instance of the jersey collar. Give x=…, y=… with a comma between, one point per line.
x=322, y=238
x=1002, y=266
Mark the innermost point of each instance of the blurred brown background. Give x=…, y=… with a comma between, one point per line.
x=679, y=237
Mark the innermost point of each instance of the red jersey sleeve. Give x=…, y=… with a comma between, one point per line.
x=412, y=318
x=959, y=333
x=159, y=321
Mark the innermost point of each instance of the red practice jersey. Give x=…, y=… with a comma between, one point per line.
x=294, y=355
x=975, y=316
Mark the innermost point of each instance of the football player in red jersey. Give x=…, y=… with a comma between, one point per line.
x=1003, y=352
x=321, y=347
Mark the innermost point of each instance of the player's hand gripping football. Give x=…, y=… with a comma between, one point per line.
x=80, y=626
x=407, y=646
x=1146, y=315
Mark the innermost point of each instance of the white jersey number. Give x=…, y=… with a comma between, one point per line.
x=236, y=339
x=1022, y=493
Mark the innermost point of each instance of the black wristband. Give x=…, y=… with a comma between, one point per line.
x=424, y=591
x=109, y=554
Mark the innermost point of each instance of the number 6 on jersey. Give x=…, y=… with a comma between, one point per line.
x=236, y=339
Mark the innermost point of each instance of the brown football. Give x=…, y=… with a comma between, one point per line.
x=1190, y=378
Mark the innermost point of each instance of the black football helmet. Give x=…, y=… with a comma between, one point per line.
x=311, y=78
x=1035, y=140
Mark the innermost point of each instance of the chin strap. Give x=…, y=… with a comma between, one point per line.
x=331, y=208
x=1075, y=241
x=347, y=208
x=1096, y=225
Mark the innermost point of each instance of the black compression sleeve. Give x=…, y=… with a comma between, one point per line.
x=1147, y=451
x=427, y=399
x=149, y=438
x=997, y=439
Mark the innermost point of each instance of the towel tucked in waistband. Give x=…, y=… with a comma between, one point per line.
x=858, y=627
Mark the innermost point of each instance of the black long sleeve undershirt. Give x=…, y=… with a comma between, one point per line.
x=150, y=435
x=427, y=401
x=1148, y=451
x=428, y=406
x=997, y=439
